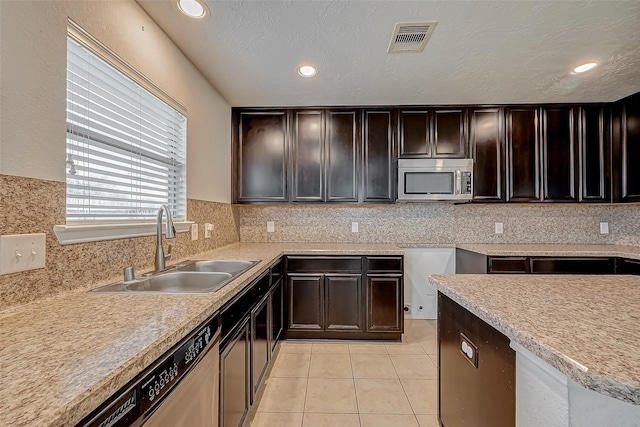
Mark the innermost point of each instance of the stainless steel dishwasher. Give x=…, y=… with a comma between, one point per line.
x=180, y=389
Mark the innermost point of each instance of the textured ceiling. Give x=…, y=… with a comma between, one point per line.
x=480, y=52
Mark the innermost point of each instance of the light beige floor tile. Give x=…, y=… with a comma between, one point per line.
x=330, y=420
x=376, y=396
x=336, y=396
x=327, y=347
x=428, y=420
x=405, y=349
x=367, y=349
x=414, y=366
x=295, y=347
x=327, y=365
x=430, y=346
x=283, y=395
x=434, y=359
x=422, y=394
x=271, y=419
x=379, y=420
x=372, y=366
x=291, y=365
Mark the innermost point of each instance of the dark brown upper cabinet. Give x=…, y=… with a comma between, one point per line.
x=523, y=158
x=559, y=181
x=325, y=156
x=486, y=140
x=260, y=150
x=594, y=154
x=379, y=160
x=307, y=154
x=626, y=149
x=433, y=132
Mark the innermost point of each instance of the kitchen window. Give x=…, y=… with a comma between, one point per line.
x=126, y=142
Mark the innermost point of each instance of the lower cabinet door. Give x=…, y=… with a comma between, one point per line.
x=277, y=313
x=476, y=371
x=343, y=301
x=305, y=301
x=260, y=345
x=234, y=378
x=384, y=303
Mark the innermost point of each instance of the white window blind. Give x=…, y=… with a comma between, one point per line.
x=125, y=146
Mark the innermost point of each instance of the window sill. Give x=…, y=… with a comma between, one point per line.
x=71, y=234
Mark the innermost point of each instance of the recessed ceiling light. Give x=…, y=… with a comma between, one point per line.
x=307, y=71
x=192, y=8
x=584, y=67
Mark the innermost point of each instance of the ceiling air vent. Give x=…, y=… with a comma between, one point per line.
x=411, y=37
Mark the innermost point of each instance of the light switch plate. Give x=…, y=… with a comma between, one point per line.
x=604, y=228
x=208, y=228
x=270, y=227
x=499, y=228
x=354, y=226
x=194, y=231
x=21, y=252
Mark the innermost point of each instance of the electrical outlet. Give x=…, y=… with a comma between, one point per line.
x=407, y=309
x=271, y=227
x=499, y=228
x=194, y=231
x=354, y=226
x=208, y=228
x=604, y=228
x=21, y=252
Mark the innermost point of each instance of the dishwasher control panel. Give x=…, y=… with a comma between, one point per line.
x=136, y=400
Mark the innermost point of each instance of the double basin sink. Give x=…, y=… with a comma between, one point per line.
x=190, y=277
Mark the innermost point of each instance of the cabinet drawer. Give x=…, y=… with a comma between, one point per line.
x=384, y=264
x=508, y=265
x=591, y=265
x=324, y=264
x=628, y=266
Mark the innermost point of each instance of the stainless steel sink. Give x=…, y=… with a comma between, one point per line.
x=191, y=277
x=181, y=282
x=217, y=265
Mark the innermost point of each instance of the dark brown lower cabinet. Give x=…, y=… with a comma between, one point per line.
x=260, y=344
x=384, y=296
x=234, y=378
x=305, y=302
x=277, y=312
x=477, y=389
x=628, y=266
x=342, y=293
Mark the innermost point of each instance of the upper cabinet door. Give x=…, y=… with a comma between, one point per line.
x=630, y=149
x=414, y=131
x=449, y=133
x=523, y=164
x=342, y=156
x=308, y=156
x=379, y=183
x=558, y=154
x=260, y=148
x=594, y=155
x=487, y=150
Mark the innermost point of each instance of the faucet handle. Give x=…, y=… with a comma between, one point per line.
x=168, y=255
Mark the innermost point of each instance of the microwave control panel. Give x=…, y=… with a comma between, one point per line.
x=465, y=184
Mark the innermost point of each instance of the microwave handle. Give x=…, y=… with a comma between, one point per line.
x=458, y=189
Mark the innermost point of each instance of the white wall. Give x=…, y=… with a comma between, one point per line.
x=33, y=85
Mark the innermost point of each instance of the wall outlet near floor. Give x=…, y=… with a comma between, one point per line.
x=407, y=309
x=208, y=228
x=604, y=228
x=21, y=252
x=499, y=228
x=271, y=227
x=354, y=226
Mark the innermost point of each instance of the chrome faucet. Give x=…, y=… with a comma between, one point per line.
x=170, y=233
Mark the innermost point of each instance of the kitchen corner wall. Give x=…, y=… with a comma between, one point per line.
x=442, y=224
x=30, y=205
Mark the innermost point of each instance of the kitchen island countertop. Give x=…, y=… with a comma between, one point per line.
x=61, y=357
x=587, y=327
x=561, y=250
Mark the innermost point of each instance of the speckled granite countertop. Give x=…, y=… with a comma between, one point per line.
x=632, y=252
x=585, y=326
x=63, y=356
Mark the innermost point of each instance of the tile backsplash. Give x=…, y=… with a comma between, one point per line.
x=438, y=224
x=35, y=206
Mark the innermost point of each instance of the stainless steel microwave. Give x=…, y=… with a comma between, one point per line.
x=435, y=179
